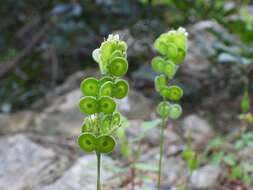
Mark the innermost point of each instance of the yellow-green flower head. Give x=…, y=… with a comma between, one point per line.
x=173, y=45
x=110, y=49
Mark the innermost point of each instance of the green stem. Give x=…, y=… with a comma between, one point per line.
x=161, y=154
x=98, y=170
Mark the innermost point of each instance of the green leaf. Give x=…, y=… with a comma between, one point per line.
x=230, y=159
x=146, y=167
x=217, y=158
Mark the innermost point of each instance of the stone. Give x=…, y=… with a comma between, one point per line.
x=205, y=178
x=18, y=122
x=82, y=175
x=26, y=165
x=198, y=129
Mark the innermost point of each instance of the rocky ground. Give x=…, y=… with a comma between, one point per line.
x=38, y=149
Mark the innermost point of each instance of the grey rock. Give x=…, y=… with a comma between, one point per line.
x=198, y=129
x=26, y=165
x=13, y=123
x=82, y=175
x=205, y=178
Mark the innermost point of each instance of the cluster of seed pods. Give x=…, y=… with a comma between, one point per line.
x=173, y=48
x=98, y=103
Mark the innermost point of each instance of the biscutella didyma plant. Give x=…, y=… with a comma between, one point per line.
x=102, y=118
x=172, y=47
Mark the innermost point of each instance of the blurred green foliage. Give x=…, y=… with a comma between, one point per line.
x=77, y=27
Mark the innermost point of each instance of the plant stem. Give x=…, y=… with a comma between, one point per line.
x=161, y=154
x=98, y=169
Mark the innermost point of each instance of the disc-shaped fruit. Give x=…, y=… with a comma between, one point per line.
x=104, y=80
x=107, y=104
x=118, y=66
x=181, y=54
x=158, y=64
x=106, y=123
x=171, y=50
x=161, y=46
x=88, y=105
x=120, y=89
x=105, y=144
x=116, y=119
x=175, y=111
x=116, y=53
x=163, y=109
x=85, y=126
x=90, y=87
x=160, y=82
x=106, y=89
x=175, y=93
x=170, y=69
x=87, y=142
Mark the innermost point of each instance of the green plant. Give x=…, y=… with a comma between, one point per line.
x=173, y=48
x=102, y=121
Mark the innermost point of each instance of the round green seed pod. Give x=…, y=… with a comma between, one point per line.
x=107, y=105
x=88, y=105
x=160, y=82
x=85, y=126
x=118, y=66
x=158, y=64
x=105, y=144
x=106, y=123
x=106, y=89
x=171, y=50
x=160, y=45
x=116, y=119
x=180, y=56
x=122, y=46
x=120, y=89
x=170, y=69
x=116, y=53
x=90, y=87
x=175, y=111
x=163, y=109
x=175, y=93
x=87, y=142
x=104, y=80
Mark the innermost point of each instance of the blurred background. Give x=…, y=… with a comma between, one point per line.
x=45, y=52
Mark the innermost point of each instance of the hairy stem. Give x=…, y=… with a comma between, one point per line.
x=98, y=170
x=161, y=154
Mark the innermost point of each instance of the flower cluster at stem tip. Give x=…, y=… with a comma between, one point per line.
x=173, y=49
x=98, y=103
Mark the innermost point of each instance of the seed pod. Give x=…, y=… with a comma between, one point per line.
x=171, y=50
x=106, y=123
x=104, y=80
x=105, y=144
x=90, y=87
x=85, y=126
x=158, y=64
x=163, y=109
x=118, y=66
x=160, y=82
x=175, y=111
x=106, y=89
x=120, y=89
x=116, y=119
x=160, y=44
x=88, y=105
x=107, y=105
x=87, y=142
x=116, y=53
x=181, y=54
x=170, y=69
x=173, y=93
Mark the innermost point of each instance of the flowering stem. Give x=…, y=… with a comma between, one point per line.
x=98, y=170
